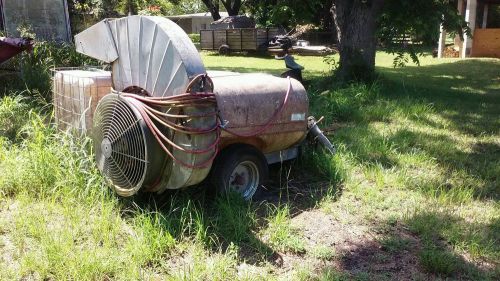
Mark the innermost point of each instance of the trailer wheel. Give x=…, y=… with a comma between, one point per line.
x=240, y=169
x=224, y=50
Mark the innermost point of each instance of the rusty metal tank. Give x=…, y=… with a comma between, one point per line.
x=247, y=101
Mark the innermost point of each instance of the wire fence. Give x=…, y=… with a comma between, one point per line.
x=76, y=92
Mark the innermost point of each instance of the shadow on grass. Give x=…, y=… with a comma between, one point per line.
x=471, y=108
x=465, y=93
x=473, y=170
x=434, y=227
x=222, y=222
x=218, y=223
x=445, y=110
x=420, y=252
x=461, y=174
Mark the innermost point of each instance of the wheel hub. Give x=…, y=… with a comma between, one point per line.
x=244, y=179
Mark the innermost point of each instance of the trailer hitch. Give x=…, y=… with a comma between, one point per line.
x=316, y=135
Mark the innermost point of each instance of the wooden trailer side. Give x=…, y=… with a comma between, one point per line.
x=240, y=39
x=207, y=41
x=234, y=39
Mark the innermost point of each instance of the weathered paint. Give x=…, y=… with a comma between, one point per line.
x=247, y=101
x=9, y=47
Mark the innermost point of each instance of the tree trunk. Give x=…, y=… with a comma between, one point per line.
x=232, y=6
x=356, y=24
x=213, y=7
x=132, y=9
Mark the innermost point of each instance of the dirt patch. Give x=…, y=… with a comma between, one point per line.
x=322, y=229
x=8, y=250
x=358, y=249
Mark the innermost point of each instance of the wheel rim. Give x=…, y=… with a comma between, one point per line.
x=244, y=179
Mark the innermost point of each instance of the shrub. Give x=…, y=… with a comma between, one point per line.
x=14, y=110
x=195, y=37
x=36, y=67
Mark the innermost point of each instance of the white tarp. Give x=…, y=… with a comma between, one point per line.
x=48, y=18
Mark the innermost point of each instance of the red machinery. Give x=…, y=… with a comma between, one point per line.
x=10, y=47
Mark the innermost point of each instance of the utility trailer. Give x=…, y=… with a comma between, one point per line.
x=237, y=39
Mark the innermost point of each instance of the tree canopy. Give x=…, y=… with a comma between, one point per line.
x=289, y=13
x=361, y=25
x=110, y=8
x=395, y=24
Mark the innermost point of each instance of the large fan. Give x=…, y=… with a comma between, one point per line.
x=163, y=126
x=125, y=151
x=150, y=56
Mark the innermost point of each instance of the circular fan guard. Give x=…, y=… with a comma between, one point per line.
x=120, y=144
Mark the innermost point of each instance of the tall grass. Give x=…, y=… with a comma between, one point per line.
x=282, y=235
x=405, y=164
x=342, y=103
x=42, y=159
x=67, y=224
x=13, y=112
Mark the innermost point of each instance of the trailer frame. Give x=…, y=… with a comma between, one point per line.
x=237, y=39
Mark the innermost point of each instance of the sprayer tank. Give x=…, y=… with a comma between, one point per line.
x=248, y=101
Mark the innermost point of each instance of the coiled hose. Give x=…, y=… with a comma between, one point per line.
x=157, y=108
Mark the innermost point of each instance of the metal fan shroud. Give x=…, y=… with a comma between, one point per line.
x=150, y=53
x=123, y=147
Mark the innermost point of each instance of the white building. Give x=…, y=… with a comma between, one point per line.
x=482, y=18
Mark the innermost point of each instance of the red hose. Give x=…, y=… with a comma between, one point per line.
x=159, y=137
x=144, y=105
x=182, y=129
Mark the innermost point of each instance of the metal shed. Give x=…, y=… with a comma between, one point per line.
x=49, y=19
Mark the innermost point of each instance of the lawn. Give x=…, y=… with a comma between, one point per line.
x=412, y=193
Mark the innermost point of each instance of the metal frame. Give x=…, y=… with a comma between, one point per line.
x=2, y=17
x=282, y=155
x=68, y=22
x=215, y=47
x=71, y=111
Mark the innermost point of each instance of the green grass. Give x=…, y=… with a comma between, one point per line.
x=438, y=262
x=417, y=170
x=323, y=252
x=282, y=236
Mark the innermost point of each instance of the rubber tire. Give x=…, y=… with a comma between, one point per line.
x=229, y=159
x=224, y=50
